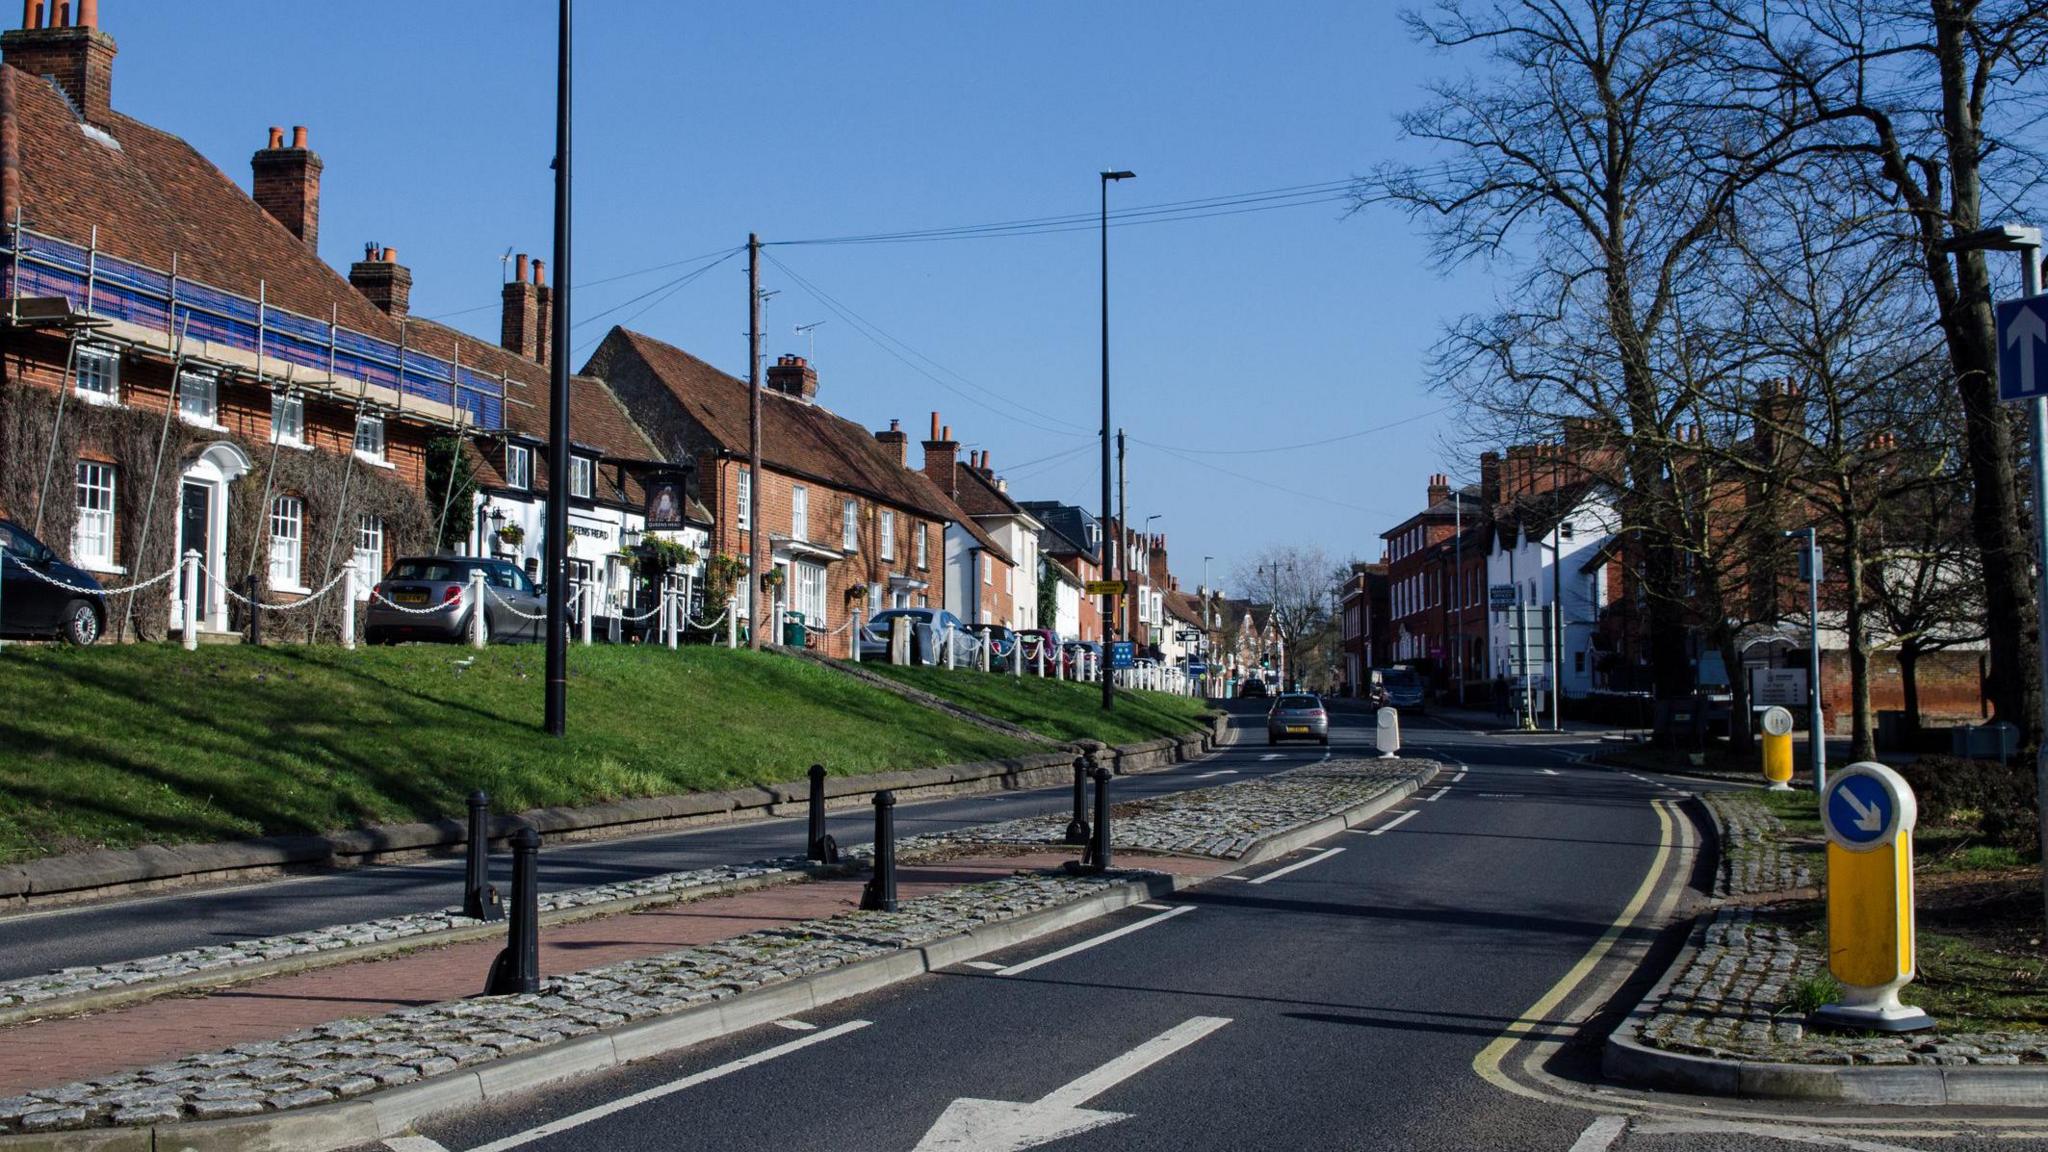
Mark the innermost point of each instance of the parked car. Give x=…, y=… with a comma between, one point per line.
x=927, y=627
x=1252, y=688
x=1003, y=641
x=428, y=598
x=1036, y=638
x=73, y=607
x=1297, y=716
x=1404, y=689
x=1081, y=656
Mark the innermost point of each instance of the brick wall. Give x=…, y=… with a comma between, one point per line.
x=1950, y=687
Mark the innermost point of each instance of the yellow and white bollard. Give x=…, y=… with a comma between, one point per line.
x=1869, y=812
x=1777, y=742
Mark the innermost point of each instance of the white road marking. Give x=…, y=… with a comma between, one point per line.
x=1230, y=876
x=1601, y=1134
x=579, y=1119
x=1149, y=907
x=970, y=1125
x=413, y=1144
x=1298, y=865
x=1218, y=772
x=1436, y=795
x=1548, y=771
x=1270, y=756
x=1083, y=946
x=1766, y=1131
x=985, y=965
x=796, y=1025
x=1396, y=822
x=1460, y=776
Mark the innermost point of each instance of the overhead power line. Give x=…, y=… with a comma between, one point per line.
x=1304, y=444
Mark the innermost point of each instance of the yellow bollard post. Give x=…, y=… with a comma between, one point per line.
x=1868, y=812
x=1777, y=742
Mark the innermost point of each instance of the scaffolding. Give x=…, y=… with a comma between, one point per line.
x=38, y=266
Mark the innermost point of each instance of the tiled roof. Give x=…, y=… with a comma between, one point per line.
x=797, y=436
x=975, y=490
x=1183, y=607
x=953, y=512
x=155, y=199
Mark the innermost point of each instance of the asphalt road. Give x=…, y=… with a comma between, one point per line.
x=36, y=942
x=1344, y=997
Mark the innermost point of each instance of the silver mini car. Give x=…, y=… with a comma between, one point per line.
x=1297, y=716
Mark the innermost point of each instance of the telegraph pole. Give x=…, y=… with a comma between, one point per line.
x=757, y=557
x=1123, y=539
x=1108, y=602
x=557, y=543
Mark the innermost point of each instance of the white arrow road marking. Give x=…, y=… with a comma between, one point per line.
x=1396, y=822
x=1868, y=816
x=970, y=1125
x=1298, y=865
x=638, y=1098
x=1093, y=941
x=2027, y=327
x=1601, y=1134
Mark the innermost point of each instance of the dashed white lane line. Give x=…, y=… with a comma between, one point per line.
x=985, y=965
x=638, y=1098
x=1396, y=822
x=1093, y=941
x=1601, y=1134
x=1150, y=907
x=1218, y=772
x=796, y=1025
x=1433, y=797
x=1297, y=866
x=1230, y=876
x=1548, y=771
x=1458, y=777
x=1270, y=756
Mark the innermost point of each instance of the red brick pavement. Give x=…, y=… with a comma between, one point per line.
x=45, y=1053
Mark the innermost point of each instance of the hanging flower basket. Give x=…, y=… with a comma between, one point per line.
x=512, y=534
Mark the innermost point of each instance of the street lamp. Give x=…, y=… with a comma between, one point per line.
x=1108, y=600
x=557, y=549
x=2026, y=240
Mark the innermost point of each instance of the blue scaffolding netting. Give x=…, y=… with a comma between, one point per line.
x=101, y=285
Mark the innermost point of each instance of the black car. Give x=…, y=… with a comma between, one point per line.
x=1253, y=688
x=1002, y=644
x=41, y=595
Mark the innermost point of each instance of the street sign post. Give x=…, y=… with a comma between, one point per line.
x=1777, y=726
x=1105, y=587
x=1868, y=813
x=1501, y=596
x=2022, y=357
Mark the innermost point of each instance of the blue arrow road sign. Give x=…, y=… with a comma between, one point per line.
x=2023, y=348
x=1861, y=810
x=1122, y=653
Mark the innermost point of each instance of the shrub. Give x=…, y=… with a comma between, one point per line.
x=1995, y=800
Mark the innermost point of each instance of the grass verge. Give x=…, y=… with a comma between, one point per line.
x=1060, y=709
x=124, y=745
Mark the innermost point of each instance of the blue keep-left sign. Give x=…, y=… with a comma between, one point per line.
x=1867, y=805
x=1123, y=653
x=2023, y=348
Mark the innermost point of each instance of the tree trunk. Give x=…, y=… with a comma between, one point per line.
x=1740, y=738
x=1862, y=745
x=1909, y=683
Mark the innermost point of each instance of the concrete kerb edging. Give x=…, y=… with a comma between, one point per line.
x=1628, y=1060
x=1328, y=826
x=383, y=1114
x=80, y=877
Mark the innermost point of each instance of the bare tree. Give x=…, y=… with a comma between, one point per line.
x=1926, y=584
x=1927, y=96
x=1600, y=157
x=1294, y=582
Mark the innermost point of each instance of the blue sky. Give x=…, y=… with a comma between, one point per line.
x=698, y=123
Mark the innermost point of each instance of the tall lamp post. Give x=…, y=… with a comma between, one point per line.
x=2026, y=241
x=1109, y=600
x=558, y=415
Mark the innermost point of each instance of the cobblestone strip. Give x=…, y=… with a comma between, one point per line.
x=1223, y=822
x=350, y=1057
x=1730, y=1003
x=1753, y=859
x=66, y=983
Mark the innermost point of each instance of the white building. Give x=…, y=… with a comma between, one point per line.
x=1543, y=546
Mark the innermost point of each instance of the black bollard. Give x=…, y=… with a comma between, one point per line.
x=1099, y=856
x=479, y=898
x=1077, y=828
x=822, y=847
x=255, y=613
x=517, y=968
x=880, y=893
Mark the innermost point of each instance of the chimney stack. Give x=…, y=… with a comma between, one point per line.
x=792, y=376
x=942, y=457
x=520, y=324
x=1439, y=489
x=382, y=280
x=544, y=314
x=74, y=53
x=896, y=441
x=1489, y=478
x=287, y=185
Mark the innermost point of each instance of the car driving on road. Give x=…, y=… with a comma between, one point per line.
x=41, y=595
x=1405, y=689
x=1297, y=716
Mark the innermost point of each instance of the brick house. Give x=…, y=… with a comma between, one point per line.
x=981, y=572
x=1362, y=618
x=1073, y=537
x=850, y=525
x=1011, y=589
x=193, y=374
x=1421, y=584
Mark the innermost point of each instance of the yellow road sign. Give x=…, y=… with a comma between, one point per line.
x=1105, y=587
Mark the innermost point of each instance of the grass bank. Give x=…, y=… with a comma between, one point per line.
x=1061, y=709
x=122, y=745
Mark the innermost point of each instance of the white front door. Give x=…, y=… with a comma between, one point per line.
x=203, y=527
